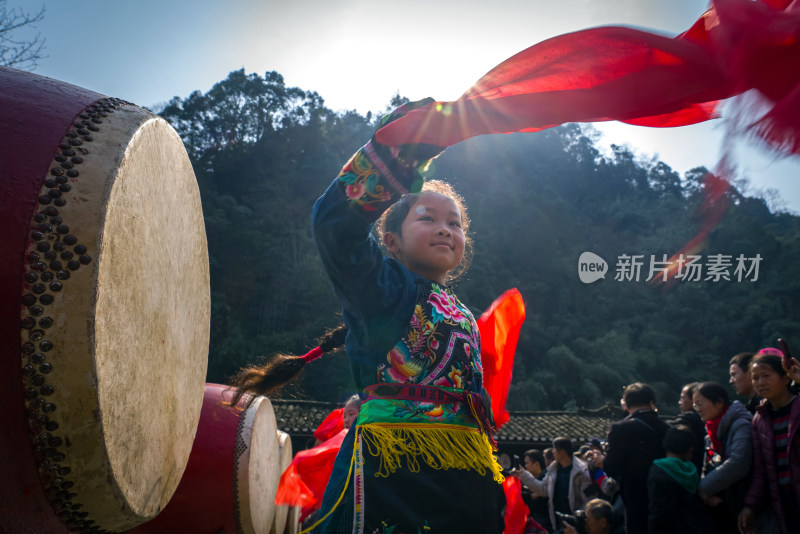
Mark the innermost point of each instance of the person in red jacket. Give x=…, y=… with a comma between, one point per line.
x=776, y=445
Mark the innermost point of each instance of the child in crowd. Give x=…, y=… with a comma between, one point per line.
x=776, y=446
x=422, y=436
x=672, y=482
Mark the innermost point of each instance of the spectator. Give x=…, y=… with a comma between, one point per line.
x=729, y=455
x=600, y=519
x=565, y=483
x=548, y=456
x=633, y=444
x=674, y=506
x=740, y=379
x=690, y=418
x=776, y=448
x=533, y=461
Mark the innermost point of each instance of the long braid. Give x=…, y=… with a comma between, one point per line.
x=270, y=377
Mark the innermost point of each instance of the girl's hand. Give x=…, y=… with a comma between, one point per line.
x=747, y=520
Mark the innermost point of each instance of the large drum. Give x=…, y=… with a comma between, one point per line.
x=104, y=309
x=232, y=477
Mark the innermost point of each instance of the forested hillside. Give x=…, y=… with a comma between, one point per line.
x=263, y=152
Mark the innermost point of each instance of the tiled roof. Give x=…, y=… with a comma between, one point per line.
x=301, y=417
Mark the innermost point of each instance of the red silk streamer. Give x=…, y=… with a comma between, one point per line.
x=303, y=483
x=516, y=514
x=499, y=327
x=331, y=425
x=617, y=73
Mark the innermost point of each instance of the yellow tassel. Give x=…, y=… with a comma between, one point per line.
x=439, y=446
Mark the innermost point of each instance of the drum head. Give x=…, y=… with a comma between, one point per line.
x=258, y=465
x=282, y=511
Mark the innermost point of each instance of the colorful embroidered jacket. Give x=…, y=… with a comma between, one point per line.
x=402, y=328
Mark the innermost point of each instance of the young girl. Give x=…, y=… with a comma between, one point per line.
x=419, y=456
x=776, y=446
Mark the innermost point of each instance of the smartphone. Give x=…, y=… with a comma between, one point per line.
x=516, y=463
x=787, y=357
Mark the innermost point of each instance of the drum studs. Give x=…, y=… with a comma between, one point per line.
x=45, y=368
x=65, y=187
x=68, y=152
x=66, y=165
x=36, y=335
x=58, y=245
x=37, y=358
x=82, y=130
x=60, y=202
x=66, y=255
x=31, y=277
x=40, y=217
x=72, y=173
x=28, y=370
x=38, y=288
x=88, y=139
x=57, y=171
x=50, y=211
x=59, y=457
x=63, y=471
x=36, y=310
x=44, y=346
x=61, y=179
x=44, y=199
x=62, y=228
x=73, y=265
x=50, y=255
x=51, y=425
x=56, y=265
x=28, y=323
x=93, y=128
x=75, y=142
x=28, y=300
x=43, y=246
x=38, y=266
x=67, y=485
x=36, y=235
x=70, y=239
x=62, y=275
x=55, y=441
x=28, y=347
x=50, y=182
x=37, y=380
x=55, y=193
x=36, y=403
x=80, y=249
x=47, y=389
x=60, y=158
x=30, y=393
x=45, y=322
x=46, y=299
x=71, y=135
x=85, y=259
x=56, y=285
x=77, y=160
x=56, y=220
x=49, y=407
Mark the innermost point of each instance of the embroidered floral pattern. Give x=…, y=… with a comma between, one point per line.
x=441, y=346
x=364, y=184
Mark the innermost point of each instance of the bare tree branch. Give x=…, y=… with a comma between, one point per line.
x=16, y=52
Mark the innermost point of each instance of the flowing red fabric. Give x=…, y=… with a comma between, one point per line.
x=303, y=483
x=638, y=77
x=516, y=514
x=331, y=425
x=499, y=327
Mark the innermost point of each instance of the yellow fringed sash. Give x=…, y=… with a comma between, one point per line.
x=440, y=446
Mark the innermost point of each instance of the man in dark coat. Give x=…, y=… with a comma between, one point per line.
x=633, y=444
x=690, y=418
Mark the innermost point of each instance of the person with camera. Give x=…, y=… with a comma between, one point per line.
x=564, y=484
x=597, y=518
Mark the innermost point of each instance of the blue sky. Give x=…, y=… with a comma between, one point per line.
x=358, y=53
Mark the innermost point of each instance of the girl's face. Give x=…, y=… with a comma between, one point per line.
x=768, y=383
x=431, y=240
x=708, y=410
x=350, y=413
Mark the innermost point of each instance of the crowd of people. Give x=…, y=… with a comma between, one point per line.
x=722, y=466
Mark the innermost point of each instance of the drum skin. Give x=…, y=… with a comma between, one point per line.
x=104, y=309
x=282, y=511
x=232, y=476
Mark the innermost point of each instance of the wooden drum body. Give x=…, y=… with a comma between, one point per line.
x=232, y=476
x=104, y=309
